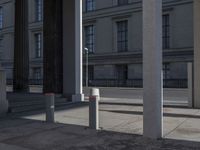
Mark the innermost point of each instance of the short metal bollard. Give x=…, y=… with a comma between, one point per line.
x=50, y=108
x=94, y=109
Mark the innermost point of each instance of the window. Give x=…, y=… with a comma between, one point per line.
x=122, y=2
x=89, y=38
x=166, y=32
x=90, y=72
x=122, y=36
x=166, y=71
x=1, y=17
x=89, y=5
x=38, y=10
x=122, y=72
x=1, y=49
x=37, y=73
x=38, y=45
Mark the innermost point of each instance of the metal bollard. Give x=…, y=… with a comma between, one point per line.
x=50, y=107
x=94, y=109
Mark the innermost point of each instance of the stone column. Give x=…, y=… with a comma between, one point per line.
x=21, y=50
x=152, y=68
x=196, y=53
x=72, y=49
x=53, y=48
x=3, y=100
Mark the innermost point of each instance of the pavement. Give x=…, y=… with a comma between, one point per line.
x=121, y=129
x=24, y=134
x=121, y=126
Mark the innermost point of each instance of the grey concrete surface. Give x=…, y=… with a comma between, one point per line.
x=23, y=134
x=152, y=68
x=121, y=124
x=128, y=118
x=121, y=129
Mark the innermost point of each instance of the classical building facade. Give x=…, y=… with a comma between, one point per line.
x=7, y=9
x=112, y=33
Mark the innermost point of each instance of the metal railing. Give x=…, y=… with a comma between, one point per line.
x=31, y=81
x=137, y=83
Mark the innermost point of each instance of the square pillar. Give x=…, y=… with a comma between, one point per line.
x=152, y=69
x=190, y=84
x=72, y=49
x=196, y=53
x=3, y=100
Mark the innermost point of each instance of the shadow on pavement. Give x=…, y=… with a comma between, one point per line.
x=38, y=135
x=41, y=111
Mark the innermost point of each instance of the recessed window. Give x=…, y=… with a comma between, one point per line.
x=1, y=17
x=89, y=38
x=122, y=36
x=89, y=5
x=38, y=45
x=166, y=71
x=122, y=72
x=1, y=48
x=37, y=73
x=166, y=32
x=122, y=2
x=38, y=10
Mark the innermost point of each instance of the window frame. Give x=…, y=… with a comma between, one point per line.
x=90, y=37
x=37, y=73
x=89, y=5
x=38, y=44
x=38, y=10
x=1, y=17
x=122, y=35
x=122, y=2
x=166, y=31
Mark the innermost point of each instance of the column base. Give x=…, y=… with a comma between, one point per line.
x=78, y=98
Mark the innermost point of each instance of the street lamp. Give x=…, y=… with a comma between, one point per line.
x=86, y=71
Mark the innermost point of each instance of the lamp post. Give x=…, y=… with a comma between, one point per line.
x=86, y=71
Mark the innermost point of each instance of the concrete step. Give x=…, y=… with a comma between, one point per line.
x=31, y=102
x=34, y=107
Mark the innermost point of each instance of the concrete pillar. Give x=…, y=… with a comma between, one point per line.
x=72, y=49
x=196, y=53
x=190, y=84
x=3, y=100
x=53, y=47
x=152, y=69
x=21, y=50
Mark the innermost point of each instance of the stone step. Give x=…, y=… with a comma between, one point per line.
x=30, y=102
x=31, y=97
x=34, y=107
